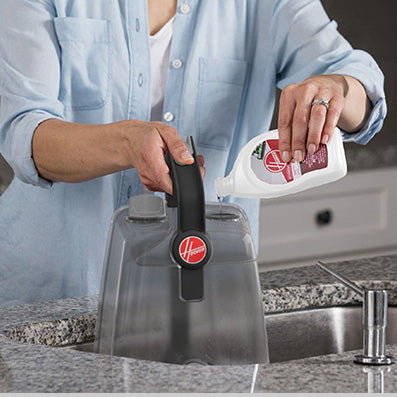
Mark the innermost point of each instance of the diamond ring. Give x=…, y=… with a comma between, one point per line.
x=321, y=101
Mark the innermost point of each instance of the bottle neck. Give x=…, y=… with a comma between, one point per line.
x=224, y=186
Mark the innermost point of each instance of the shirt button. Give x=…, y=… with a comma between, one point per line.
x=177, y=63
x=129, y=192
x=137, y=25
x=140, y=79
x=185, y=8
x=168, y=116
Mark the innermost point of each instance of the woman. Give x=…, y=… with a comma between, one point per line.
x=93, y=92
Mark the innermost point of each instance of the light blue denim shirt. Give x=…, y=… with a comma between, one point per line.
x=88, y=61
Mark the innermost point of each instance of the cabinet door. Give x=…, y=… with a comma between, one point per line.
x=355, y=215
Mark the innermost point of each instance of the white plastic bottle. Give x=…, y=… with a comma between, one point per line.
x=259, y=171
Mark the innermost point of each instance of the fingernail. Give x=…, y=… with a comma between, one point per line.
x=186, y=156
x=325, y=139
x=312, y=148
x=285, y=156
x=298, y=156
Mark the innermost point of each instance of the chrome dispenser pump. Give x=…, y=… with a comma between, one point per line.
x=374, y=321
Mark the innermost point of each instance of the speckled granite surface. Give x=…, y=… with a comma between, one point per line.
x=36, y=368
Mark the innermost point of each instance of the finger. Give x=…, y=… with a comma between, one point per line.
x=174, y=143
x=318, y=115
x=285, y=117
x=155, y=169
x=155, y=185
x=160, y=183
x=335, y=109
x=299, y=130
x=300, y=124
x=200, y=160
x=164, y=183
x=150, y=185
x=202, y=170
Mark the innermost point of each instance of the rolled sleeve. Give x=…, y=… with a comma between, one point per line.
x=21, y=160
x=361, y=66
x=373, y=125
x=307, y=43
x=29, y=75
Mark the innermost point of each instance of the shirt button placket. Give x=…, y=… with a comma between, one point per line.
x=184, y=8
x=139, y=89
x=140, y=79
x=168, y=116
x=177, y=63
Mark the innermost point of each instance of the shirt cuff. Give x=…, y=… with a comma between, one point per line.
x=21, y=161
x=374, y=89
x=373, y=124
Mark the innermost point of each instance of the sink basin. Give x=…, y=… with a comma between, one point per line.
x=314, y=332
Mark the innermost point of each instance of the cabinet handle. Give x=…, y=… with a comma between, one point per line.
x=324, y=217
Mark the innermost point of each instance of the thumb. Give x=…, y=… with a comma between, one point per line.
x=175, y=145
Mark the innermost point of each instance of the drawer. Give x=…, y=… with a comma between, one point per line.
x=356, y=214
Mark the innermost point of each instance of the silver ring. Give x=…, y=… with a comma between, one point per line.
x=321, y=101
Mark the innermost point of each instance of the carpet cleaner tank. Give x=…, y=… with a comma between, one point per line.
x=180, y=280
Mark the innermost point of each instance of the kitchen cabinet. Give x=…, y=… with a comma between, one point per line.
x=351, y=218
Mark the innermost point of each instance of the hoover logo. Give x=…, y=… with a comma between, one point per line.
x=273, y=162
x=192, y=249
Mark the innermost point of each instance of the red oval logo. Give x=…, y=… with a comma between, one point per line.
x=273, y=162
x=192, y=249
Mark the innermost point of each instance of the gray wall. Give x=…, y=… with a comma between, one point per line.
x=371, y=25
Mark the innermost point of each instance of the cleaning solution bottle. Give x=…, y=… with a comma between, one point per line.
x=259, y=171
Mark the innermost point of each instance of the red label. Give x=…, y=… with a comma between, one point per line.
x=273, y=162
x=267, y=165
x=192, y=249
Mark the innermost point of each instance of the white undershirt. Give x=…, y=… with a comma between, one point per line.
x=160, y=45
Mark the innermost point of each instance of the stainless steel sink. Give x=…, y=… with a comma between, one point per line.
x=314, y=332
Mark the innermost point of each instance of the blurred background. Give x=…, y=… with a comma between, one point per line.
x=372, y=26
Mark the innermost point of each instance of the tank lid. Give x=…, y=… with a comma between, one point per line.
x=146, y=207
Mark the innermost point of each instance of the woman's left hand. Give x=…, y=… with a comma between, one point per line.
x=303, y=125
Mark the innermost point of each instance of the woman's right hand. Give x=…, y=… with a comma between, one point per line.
x=146, y=146
x=71, y=152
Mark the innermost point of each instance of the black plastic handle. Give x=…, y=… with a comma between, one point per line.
x=191, y=247
x=188, y=192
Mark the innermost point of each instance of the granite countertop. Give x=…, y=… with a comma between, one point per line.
x=28, y=367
